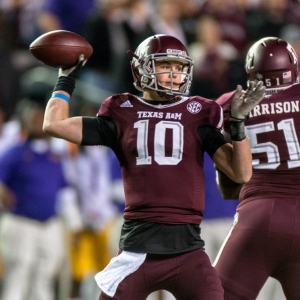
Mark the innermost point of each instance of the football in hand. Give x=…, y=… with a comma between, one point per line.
x=60, y=48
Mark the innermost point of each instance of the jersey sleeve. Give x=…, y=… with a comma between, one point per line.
x=98, y=131
x=212, y=139
x=210, y=111
x=108, y=106
x=216, y=115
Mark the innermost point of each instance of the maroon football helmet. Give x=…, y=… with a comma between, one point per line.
x=160, y=47
x=274, y=61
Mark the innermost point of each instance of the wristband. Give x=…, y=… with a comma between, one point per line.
x=61, y=96
x=237, y=130
x=66, y=84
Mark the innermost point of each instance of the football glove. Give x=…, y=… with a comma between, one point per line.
x=67, y=77
x=73, y=71
x=243, y=103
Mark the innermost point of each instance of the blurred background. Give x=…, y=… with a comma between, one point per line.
x=217, y=33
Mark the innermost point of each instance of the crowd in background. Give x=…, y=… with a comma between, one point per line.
x=217, y=34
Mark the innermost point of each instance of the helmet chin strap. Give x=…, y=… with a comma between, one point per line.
x=175, y=98
x=166, y=95
x=170, y=96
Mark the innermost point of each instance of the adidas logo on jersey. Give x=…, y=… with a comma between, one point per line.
x=126, y=104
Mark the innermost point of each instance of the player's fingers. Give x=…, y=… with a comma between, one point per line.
x=238, y=91
x=81, y=60
x=260, y=86
x=251, y=86
x=239, y=88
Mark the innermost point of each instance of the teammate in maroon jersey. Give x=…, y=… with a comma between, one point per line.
x=265, y=238
x=159, y=140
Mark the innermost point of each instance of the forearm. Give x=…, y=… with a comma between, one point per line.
x=241, y=161
x=57, y=122
x=235, y=160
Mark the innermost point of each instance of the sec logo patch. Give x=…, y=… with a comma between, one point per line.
x=194, y=107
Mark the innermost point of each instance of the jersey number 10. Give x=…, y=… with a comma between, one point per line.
x=160, y=157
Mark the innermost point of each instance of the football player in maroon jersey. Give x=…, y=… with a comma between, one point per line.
x=265, y=238
x=159, y=139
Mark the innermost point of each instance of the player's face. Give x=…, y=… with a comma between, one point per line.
x=170, y=77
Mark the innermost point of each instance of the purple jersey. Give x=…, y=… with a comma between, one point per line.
x=34, y=178
x=273, y=130
x=160, y=144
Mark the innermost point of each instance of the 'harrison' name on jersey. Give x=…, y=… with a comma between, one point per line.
x=275, y=108
x=159, y=115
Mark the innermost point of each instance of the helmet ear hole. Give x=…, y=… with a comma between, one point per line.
x=148, y=81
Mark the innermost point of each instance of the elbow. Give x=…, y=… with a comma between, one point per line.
x=243, y=178
x=48, y=129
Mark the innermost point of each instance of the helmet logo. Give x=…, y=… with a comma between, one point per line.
x=194, y=107
x=176, y=52
x=292, y=51
x=146, y=49
x=142, y=50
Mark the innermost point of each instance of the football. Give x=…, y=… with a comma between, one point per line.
x=60, y=48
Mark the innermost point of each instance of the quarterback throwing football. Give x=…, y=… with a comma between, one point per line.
x=159, y=139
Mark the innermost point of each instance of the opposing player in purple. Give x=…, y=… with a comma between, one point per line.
x=265, y=239
x=159, y=139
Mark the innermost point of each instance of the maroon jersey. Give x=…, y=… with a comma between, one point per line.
x=161, y=156
x=273, y=129
x=264, y=240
